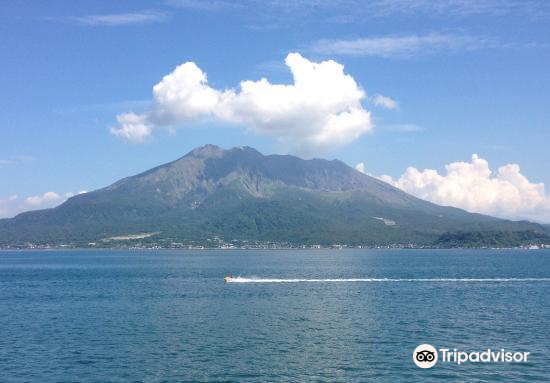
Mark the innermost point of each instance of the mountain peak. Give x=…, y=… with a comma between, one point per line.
x=207, y=150
x=213, y=151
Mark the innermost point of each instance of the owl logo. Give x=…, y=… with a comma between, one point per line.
x=425, y=356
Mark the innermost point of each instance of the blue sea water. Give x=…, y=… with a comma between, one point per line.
x=167, y=316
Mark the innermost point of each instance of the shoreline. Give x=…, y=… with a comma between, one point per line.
x=39, y=249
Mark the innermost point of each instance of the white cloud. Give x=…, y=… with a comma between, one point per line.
x=402, y=128
x=204, y=5
x=15, y=160
x=132, y=127
x=360, y=167
x=117, y=19
x=49, y=198
x=456, y=7
x=474, y=187
x=321, y=110
x=402, y=46
x=361, y=10
x=185, y=94
x=12, y=205
x=384, y=101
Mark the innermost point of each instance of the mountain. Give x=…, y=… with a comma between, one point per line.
x=213, y=196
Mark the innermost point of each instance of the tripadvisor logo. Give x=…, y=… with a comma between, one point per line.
x=425, y=356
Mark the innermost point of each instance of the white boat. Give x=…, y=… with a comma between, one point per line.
x=228, y=279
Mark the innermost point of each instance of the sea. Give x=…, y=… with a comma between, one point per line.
x=288, y=316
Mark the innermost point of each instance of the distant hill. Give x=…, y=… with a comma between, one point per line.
x=213, y=196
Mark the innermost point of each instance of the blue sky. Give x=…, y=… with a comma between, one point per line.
x=468, y=77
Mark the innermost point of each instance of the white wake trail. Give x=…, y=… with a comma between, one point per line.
x=304, y=280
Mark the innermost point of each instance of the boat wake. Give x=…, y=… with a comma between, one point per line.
x=304, y=280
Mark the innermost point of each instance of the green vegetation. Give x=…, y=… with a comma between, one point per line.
x=491, y=239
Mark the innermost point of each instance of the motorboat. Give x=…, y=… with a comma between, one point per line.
x=228, y=279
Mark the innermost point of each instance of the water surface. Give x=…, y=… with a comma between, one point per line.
x=167, y=316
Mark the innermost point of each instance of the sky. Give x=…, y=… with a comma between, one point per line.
x=447, y=100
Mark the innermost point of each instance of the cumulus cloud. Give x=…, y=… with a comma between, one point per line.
x=132, y=127
x=474, y=187
x=12, y=205
x=49, y=198
x=360, y=167
x=320, y=110
x=384, y=101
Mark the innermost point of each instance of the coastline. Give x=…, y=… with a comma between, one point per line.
x=282, y=248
